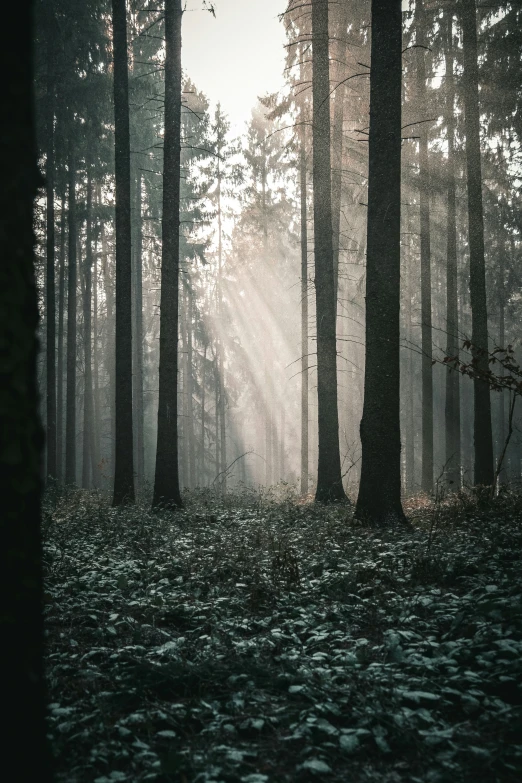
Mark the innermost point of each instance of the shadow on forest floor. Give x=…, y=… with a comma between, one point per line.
x=249, y=639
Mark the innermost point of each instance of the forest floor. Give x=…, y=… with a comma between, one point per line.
x=255, y=639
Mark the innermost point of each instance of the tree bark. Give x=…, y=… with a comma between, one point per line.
x=329, y=480
x=138, y=342
x=21, y=625
x=89, y=460
x=304, y=315
x=452, y=408
x=337, y=138
x=166, y=485
x=482, y=430
x=61, y=307
x=51, y=468
x=70, y=420
x=379, y=498
x=425, y=256
x=124, y=457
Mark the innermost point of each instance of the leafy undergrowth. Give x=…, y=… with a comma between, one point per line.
x=251, y=640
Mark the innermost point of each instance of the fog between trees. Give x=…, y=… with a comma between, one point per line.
x=252, y=325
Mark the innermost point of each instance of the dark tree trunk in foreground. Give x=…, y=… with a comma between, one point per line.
x=379, y=498
x=51, y=469
x=482, y=432
x=425, y=256
x=329, y=480
x=166, y=483
x=123, y=462
x=70, y=418
x=452, y=410
x=21, y=627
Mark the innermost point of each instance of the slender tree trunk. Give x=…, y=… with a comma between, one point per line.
x=203, y=382
x=51, y=468
x=166, y=486
x=61, y=307
x=221, y=369
x=482, y=430
x=452, y=411
x=89, y=459
x=21, y=588
x=410, y=396
x=190, y=393
x=95, y=361
x=216, y=392
x=501, y=341
x=304, y=316
x=70, y=421
x=337, y=138
x=184, y=461
x=123, y=467
x=138, y=341
x=425, y=253
x=329, y=480
x=380, y=486
x=109, y=348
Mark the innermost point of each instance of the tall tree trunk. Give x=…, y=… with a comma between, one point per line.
x=61, y=307
x=190, y=394
x=482, y=431
x=452, y=410
x=329, y=480
x=337, y=138
x=186, y=478
x=425, y=256
x=166, y=485
x=501, y=341
x=70, y=420
x=410, y=393
x=203, y=382
x=221, y=368
x=138, y=336
x=380, y=486
x=51, y=468
x=21, y=625
x=89, y=459
x=95, y=362
x=304, y=314
x=124, y=462
x=109, y=348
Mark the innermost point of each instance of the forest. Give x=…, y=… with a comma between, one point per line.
x=260, y=429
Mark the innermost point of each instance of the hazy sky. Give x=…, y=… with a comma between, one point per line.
x=236, y=56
